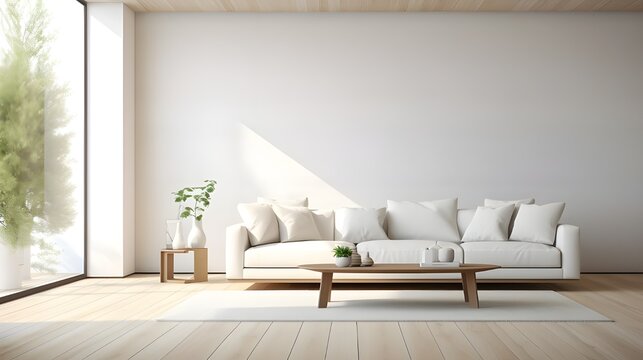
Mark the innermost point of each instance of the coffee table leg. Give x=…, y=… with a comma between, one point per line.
x=464, y=287
x=472, y=289
x=325, y=288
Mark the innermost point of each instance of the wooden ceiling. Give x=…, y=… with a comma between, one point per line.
x=379, y=5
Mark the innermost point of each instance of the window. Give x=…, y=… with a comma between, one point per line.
x=42, y=143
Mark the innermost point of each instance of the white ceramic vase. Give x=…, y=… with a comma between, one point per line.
x=10, y=269
x=196, y=237
x=434, y=253
x=343, y=261
x=178, y=242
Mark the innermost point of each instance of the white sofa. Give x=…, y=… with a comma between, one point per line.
x=519, y=260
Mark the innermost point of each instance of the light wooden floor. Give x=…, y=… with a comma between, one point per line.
x=113, y=319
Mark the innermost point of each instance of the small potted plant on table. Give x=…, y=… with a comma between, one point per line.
x=342, y=256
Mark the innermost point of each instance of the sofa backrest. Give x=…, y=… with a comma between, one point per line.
x=464, y=219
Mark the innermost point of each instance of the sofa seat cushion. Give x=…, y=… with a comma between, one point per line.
x=293, y=254
x=402, y=251
x=511, y=254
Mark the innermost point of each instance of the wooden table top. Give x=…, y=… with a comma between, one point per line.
x=397, y=268
x=181, y=251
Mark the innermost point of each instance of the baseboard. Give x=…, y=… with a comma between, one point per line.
x=41, y=288
x=612, y=273
x=176, y=272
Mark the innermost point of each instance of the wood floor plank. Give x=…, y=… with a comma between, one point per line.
x=44, y=296
x=91, y=345
x=311, y=342
x=519, y=344
x=381, y=340
x=125, y=347
x=80, y=304
x=32, y=333
x=541, y=335
x=342, y=341
x=485, y=341
x=39, y=334
x=627, y=324
x=604, y=340
x=166, y=342
x=564, y=334
x=240, y=343
x=452, y=342
x=202, y=342
x=63, y=343
x=15, y=322
x=419, y=341
x=140, y=312
x=277, y=342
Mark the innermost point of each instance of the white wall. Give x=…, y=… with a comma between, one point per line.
x=110, y=139
x=360, y=108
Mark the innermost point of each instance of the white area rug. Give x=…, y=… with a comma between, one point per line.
x=379, y=305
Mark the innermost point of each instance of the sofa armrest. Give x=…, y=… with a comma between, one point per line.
x=568, y=242
x=236, y=244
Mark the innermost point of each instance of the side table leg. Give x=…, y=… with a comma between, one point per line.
x=472, y=289
x=200, y=265
x=325, y=289
x=163, y=268
x=169, y=266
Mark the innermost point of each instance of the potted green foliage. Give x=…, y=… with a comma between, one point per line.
x=342, y=256
x=201, y=196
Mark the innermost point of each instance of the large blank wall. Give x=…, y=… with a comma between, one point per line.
x=355, y=109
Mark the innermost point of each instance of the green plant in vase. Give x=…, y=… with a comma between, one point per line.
x=201, y=197
x=342, y=256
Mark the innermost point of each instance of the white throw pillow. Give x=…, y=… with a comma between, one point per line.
x=261, y=223
x=284, y=202
x=537, y=223
x=325, y=222
x=427, y=220
x=357, y=225
x=298, y=223
x=489, y=224
x=517, y=203
x=465, y=216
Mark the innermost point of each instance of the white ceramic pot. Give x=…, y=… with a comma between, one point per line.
x=343, y=261
x=196, y=237
x=178, y=242
x=10, y=269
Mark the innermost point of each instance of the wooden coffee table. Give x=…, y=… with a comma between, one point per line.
x=467, y=272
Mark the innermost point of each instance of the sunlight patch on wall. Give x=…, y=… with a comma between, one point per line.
x=277, y=175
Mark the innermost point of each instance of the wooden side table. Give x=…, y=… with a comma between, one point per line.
x=200, y=265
